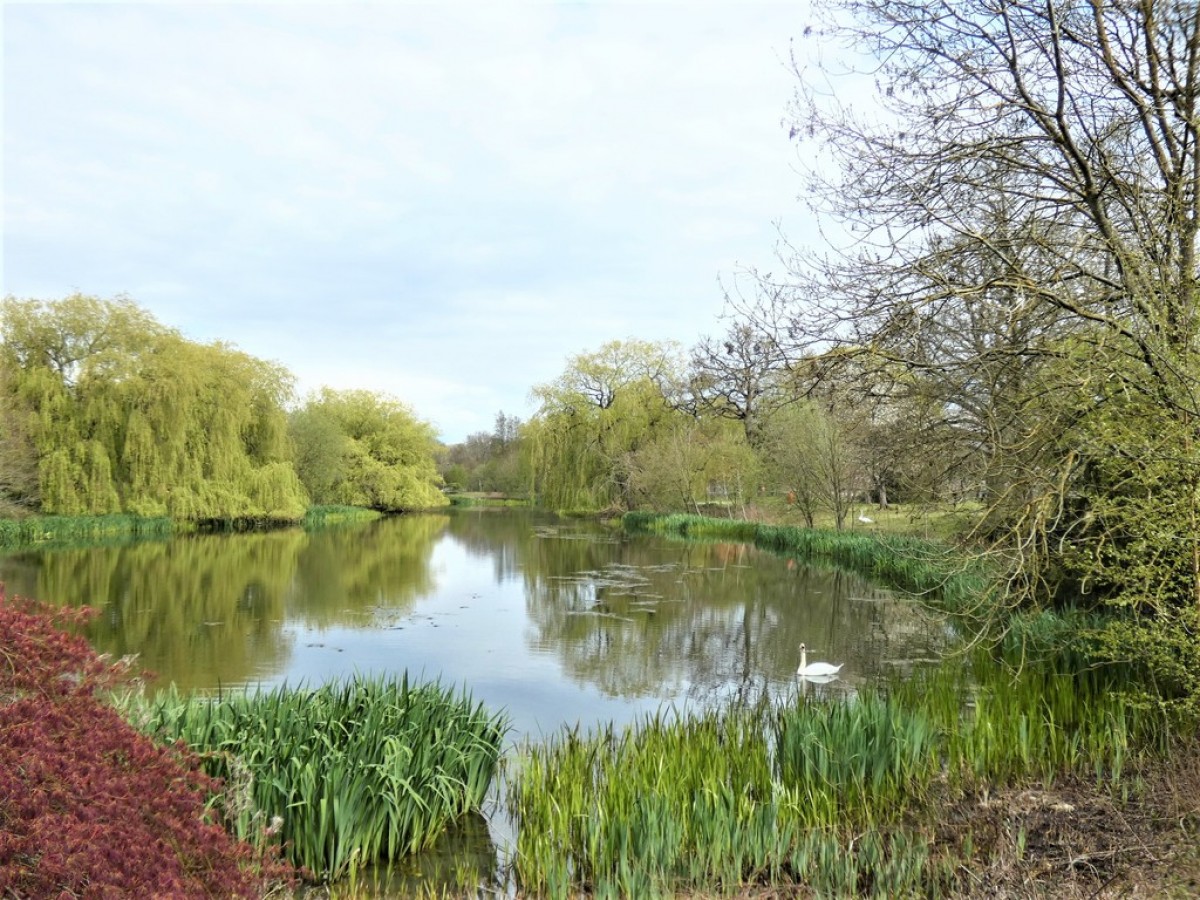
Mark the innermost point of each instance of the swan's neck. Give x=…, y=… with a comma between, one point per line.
x=803, y=659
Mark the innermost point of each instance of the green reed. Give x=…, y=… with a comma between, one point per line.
x=320, y=516
x=842, y=797
x=366, y=770
x=876, y=752
x=1007, y=717
x=721, y=801
x=470, y=500
x=53, y=530
x=909, y=564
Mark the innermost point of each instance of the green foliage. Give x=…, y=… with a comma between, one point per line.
x=358, y=448
x=910, y=564
x=688, y=463
x=67, y=530
x=126, y=415
x=1124, y=540
x=321, y=448
x=365, y=771
x=488, y=461
x=320, y=516
x=835, y=796
x=19, y=489
x=604, y=408
x=809, y=456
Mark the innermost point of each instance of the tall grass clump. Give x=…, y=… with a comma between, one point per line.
x=842, y=797
x=362, y=771
x=877, y=753
x=320, y=516
x=715, y=803
x=1007, y=717
x=43, y=530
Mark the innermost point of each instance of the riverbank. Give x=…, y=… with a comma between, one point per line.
x=37, y=530
x=983, y=774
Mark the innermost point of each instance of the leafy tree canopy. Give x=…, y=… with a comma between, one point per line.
x=604, y=407
x=366, y=449
x=126, y=415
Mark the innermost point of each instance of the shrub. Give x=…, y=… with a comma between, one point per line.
x=88, y=806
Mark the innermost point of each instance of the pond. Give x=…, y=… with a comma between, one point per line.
x=559, y=622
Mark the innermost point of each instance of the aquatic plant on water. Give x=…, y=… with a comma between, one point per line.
x=360, y=771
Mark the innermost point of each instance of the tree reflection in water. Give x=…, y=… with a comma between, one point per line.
x=614, y=617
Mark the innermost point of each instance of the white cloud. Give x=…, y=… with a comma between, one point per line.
x=446, y=200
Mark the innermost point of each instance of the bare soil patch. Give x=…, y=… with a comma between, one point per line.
x=1080, y=839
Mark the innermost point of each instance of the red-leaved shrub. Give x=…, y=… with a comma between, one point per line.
x=89, y=807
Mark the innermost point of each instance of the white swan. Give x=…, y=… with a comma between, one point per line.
x=817, y=669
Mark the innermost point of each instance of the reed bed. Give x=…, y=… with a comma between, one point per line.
x=320, y=516
x=42, y=530
x=811, y=793
x=351, y=773
x=910, y=564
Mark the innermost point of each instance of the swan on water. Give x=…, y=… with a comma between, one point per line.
x=817, y=669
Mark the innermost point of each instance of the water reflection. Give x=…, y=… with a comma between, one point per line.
x=557, y=621
x=344, y=575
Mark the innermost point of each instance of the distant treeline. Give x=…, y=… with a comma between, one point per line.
x=105, y=411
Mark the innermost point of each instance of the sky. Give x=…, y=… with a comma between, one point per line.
x=439, y=201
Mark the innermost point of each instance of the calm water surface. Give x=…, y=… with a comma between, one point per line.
x=559, y=622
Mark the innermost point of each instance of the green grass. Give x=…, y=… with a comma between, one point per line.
x=932, y=521
x=930, y=570
x=840, y=797
x=480, y=499
x=358, y=772
x=320, y=516
x=58, y=530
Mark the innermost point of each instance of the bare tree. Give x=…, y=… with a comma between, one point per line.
x=1023, y=218
x=747, y=373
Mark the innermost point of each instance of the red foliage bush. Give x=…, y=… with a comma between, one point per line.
x=88, y=805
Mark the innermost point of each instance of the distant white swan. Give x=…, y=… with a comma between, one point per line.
x=817, y=669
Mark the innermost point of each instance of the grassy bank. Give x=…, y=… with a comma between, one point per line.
x=910, y=564
x=74, y=530
x=39, y=530
x=355, y=773
x=490, y=500
x=322, y=516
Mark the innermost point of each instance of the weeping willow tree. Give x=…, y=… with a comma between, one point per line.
x=126, y=415
x=361, y=448
x=18, y=455
x=593, y=420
